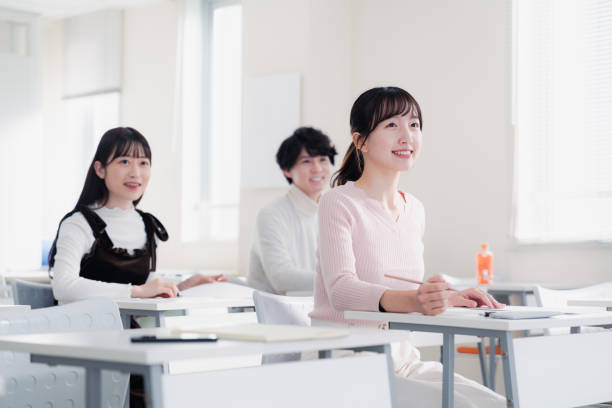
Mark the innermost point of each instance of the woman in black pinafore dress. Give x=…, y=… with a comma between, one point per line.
x=87, y=258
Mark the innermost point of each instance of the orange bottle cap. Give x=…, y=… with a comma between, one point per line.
x=484, y=246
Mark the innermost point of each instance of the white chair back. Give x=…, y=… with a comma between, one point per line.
x=554, y=298
x=278, y=309
x=38, y=385
x=358, y=381
x=584, y=368
x=36, y=295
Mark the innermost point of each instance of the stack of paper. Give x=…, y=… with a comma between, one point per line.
x=267, y=332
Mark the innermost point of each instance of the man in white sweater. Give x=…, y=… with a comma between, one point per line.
x=282, y=257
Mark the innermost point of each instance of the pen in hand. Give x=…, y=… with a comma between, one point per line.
x=411, y=280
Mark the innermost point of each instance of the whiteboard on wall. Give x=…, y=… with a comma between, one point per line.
x=271, y=114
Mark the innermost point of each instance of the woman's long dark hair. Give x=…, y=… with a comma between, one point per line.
x=372, y=107
x=117, y=142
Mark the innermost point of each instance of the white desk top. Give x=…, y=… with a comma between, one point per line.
x=115, y=346
x=181, y=303
x=12, y=310
x=38, y=275
x=219, y=290
x=602, y=302
x=473, y=319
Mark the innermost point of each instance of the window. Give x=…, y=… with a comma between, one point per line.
x=211, y=91
x=70, y=152
x=563, y=107
x=13, y=38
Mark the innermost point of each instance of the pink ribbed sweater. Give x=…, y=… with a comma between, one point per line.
x=358, y=243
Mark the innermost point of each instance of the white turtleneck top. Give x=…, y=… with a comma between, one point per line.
x=284, y=247
x=124, y=227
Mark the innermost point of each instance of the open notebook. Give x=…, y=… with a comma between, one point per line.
x=267, y=332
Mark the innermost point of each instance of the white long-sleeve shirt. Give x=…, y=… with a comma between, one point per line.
x=284, y=247
x=126, y=230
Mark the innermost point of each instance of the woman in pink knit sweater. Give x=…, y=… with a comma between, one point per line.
x=368, y=228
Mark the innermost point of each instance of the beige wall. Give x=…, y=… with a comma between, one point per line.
x=311, y=37
x=455, y=57
x=149, y=69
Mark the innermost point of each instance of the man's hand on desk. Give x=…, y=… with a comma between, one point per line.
x=199, y=279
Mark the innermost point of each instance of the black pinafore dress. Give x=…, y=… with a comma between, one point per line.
x=106, y=263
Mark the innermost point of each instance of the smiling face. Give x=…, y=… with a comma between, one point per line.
x=394, y=144
x=310, y=174
x=126, y=178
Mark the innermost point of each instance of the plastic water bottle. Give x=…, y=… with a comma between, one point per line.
x=484, y=265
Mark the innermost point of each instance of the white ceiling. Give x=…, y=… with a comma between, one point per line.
x=66, y=8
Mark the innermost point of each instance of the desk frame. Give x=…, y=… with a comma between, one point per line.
x=152, y=374
x=160, y=315
x=448, y=356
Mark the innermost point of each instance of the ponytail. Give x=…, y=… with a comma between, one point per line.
x=351, y=168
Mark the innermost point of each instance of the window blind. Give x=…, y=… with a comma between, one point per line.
x=563, y=74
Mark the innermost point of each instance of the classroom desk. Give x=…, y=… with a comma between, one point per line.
x=604, y=302
x=454, y=322
x=12, y=310
x=112, y=350
x=30, y=275
x=162, y=307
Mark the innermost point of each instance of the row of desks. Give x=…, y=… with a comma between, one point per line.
x=113, y=350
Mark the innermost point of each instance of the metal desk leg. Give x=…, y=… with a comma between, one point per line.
x=448, y=371
x=93, y=381
x=125, y=320
x=391, y=376
x=492, y=362
x=523, y=296
x=482, y=355
x=507, y=348
x=159, y=319
x=153, y=386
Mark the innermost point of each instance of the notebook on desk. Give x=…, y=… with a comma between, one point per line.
x=267, y=332
x=520, y=314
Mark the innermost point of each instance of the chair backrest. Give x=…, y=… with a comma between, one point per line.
x=278, y=309
x=359, y=381
x=43, y=385
x=546, y=297
x=583, y=361
x=37, y=295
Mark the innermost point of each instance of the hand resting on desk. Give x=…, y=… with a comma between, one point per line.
x=473, y=297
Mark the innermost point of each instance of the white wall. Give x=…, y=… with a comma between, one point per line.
x=311, y=37
x=455, y=58
x=149, y=69
x=20, y=150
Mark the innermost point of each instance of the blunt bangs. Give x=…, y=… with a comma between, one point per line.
x=130, y=144
x=393, y=104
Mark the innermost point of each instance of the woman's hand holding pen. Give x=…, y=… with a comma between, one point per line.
x=154, y=288
x=432, y=296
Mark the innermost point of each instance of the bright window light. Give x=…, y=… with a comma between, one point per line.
x=211, y=125
x=563, y=107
